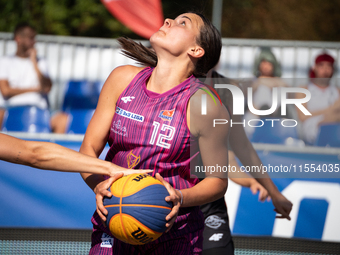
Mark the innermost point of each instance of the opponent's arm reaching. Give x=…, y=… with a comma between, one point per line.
x=51, y=156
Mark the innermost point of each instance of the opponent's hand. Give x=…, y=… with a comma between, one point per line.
x=175, y=198
x=101, y=191
x=257, y=187
x=126, y=171
x=282, y=206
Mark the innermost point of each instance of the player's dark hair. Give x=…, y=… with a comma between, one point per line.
x=138, y=52
x=209, y=39
x=21, y=26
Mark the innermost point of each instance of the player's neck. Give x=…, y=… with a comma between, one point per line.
x=167, y=75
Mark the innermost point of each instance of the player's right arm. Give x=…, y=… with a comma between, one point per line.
x=98, y=129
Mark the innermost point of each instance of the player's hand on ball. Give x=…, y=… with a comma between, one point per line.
x=175, y=198
x=101, y=191
x=282, y=206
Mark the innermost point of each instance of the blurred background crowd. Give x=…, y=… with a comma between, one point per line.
x=54, y=61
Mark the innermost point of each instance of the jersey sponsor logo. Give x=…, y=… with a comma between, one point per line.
x=167, y=115
x=129, y=115
x=118, y=129
x=216, y=237
x=127, y=99
x=107, y=241
x=214, y=221
x=132, y=160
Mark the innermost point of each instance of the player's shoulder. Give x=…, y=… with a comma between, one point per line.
x=125, y=72
x=205, y=102
x=121, y=77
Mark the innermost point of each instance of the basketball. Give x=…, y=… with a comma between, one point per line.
x=137, y=209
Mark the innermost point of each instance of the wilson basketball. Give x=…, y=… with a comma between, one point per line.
x=137, y=209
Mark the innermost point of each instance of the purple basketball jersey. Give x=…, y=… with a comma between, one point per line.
x=149, y=130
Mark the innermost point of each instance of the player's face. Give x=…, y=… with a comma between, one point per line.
x=178, y=35
x=323, y=69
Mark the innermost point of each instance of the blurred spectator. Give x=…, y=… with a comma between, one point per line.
x=24, y=78
x=324, y=104
x=268, y=71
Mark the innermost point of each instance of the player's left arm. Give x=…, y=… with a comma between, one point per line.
x=246, y=153
x=245, y=180
x=214, y=151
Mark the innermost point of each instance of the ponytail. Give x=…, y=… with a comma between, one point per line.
x=138, y=52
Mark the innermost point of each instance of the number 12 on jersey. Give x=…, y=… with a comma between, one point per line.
x=162, y=139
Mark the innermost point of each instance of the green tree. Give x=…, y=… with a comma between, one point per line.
x=63, y=17
x=265, y=19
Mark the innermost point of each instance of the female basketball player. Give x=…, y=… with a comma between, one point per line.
x=50, y=156
x=151, y=118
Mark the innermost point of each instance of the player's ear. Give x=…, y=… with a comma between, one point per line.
x=196, y=51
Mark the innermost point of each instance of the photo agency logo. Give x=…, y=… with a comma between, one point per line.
x=280, y=98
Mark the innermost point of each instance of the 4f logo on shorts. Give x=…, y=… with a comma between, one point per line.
x=107, y=241
x=127, y=99
x=214, y=221
x=216, y=237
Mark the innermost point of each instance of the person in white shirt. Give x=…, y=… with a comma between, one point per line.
x=24, y=78
x=324, y=104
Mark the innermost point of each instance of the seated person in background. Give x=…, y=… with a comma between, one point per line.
x=267, y=70
x=324, y=104
x=24, y=78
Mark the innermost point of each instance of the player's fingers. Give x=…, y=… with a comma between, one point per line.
x=280, y=217
x=283, y=214
x=253, y=190
x=170, y=224
x=160, y=178
x=105, y=193
x=100, y=205
x=263, y=195
x=167, y=185
x=173, y=213
x=115, y=178
x=101, y=215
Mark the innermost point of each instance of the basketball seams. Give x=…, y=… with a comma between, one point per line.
x=134, y=219
x=142, y=187
x=124, y=224
x=120, y=207
x=138, y=205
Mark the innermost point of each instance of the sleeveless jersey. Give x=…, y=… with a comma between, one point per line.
x=149, y=131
